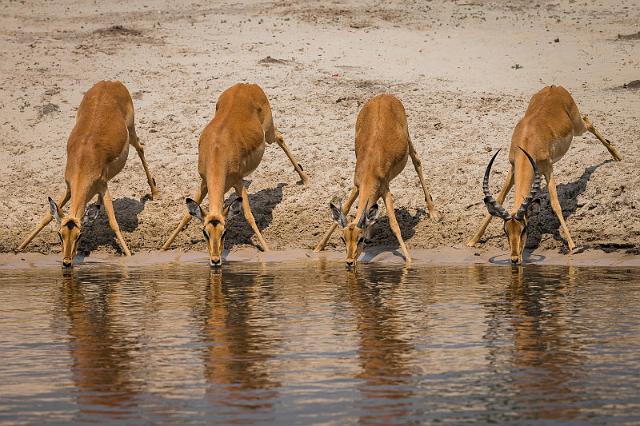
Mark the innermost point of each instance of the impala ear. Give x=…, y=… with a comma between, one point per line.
x=338, y=216
x=90, y=214
x=55, y=211
x=372, y=215
x=194, y=209
x=233, y=208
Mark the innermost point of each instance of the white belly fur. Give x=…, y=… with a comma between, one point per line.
x=249, y=163
x=114, y=167
x=559, y=148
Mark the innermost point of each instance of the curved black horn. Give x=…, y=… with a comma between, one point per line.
x=363, y=218
x=535, y=187
x=494, y=208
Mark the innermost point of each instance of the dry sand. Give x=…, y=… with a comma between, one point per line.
x=452, y=64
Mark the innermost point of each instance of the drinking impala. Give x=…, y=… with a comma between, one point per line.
x=97, y=150
x=382, y=148
x=230, y=148
x=541, y=138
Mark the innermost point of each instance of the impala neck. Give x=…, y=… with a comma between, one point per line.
x=217, y=186
x=81, y=194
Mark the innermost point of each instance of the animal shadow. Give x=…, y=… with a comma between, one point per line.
x=262, y=204
x=99, y=233
x=383, y=238
x=545, y=221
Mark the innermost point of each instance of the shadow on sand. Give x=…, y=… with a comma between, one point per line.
x=545, y=221
x=383, y=238
x=98, y=232
x=262, y=204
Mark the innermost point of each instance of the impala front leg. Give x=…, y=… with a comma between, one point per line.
x=393, y=222
x=296, y=165
x=61, y=201
x=108, y=207
x=198, y=197
x=241, y=191
x=612, y=149
x=332, y=228
x=557, y=209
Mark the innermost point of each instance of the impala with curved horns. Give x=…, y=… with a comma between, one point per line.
x=515, y=225
x=230, y=148
x=97, y=150
x=541, y=138
x=382, y=148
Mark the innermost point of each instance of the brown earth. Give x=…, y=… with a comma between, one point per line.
x=453, y=65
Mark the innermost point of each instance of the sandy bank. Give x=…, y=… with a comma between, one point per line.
x=452, y=64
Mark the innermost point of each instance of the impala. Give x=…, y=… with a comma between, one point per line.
x=97, y=150
x=230, y=148
x=541, y=138
x=382, y=147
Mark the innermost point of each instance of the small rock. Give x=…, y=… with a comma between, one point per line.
x=634, y=36
x=635, y=84
x=47, y=109
x=618, y=191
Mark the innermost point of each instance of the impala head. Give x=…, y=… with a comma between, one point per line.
x=355, y=234
x=515, y=227
x=70, y=230
x=214, y=227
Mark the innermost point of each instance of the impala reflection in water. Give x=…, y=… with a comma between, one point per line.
x=101, y=349
x=315, y=343
x=236, y=355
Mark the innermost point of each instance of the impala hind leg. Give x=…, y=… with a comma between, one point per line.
x=345, y=210
x=393, y=222
x=417, y=164
x=508, y=183
x=557, y=209
x=135, y=141
x=198, y=197
x=61, y=201
x=241, y=191
x=296, y=165
x=108, y=207
x=612, y=149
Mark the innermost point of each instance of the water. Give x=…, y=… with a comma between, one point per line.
x=314, y=343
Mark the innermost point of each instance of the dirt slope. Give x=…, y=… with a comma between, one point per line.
x=453, y=65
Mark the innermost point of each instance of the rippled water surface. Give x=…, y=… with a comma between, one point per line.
x=314, y=343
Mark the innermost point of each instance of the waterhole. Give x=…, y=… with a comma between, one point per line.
x=315, y=343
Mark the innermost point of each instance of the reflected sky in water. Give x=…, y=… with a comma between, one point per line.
x=314, y=343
